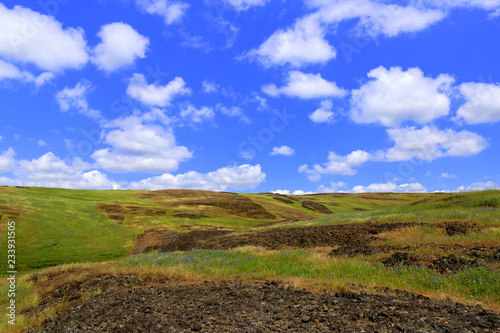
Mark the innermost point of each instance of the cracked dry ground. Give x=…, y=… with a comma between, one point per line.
x=237, y=306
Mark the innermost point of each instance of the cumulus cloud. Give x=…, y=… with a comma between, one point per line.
x=300, y=45
x=394, y=96
x=197, y=116
x=429, y=143
x=76, y=98
x=390, y=187
x=482, y=103
x=120, y=46
x=51, y=171
x=447, y=175
x=209, y=87
x=324, y=114
x=7, y=160
x=296, y=192
x=156, y=95
x=171, y=11
x=140, y=147
x=305, y=86
x=337, y=165
x=240, y=177
x=480, y=186
x=11, y=72
x=283, y=150
x=27, y=36
x=305, y=43
x=243, y=5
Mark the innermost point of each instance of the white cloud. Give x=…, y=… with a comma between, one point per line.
x=482, y=103
x=171, y=11
x=324, y=114
x=390, y=187
x=209, y=87
x=300, y=192
x=234, y=112
x=394, y=96
x=243, y=176
x=305, y=43
x=27, y=36
x=337, y=165
x=243, y=5
x=478, y=187
x=198, y=116
x=41, y=143
x=483, y=4
x=285, y=192
x=377, y=18
x=300, y=45
x=154, y=95
x=120, y=46
x=447, y=175
x=50, y=171
x=7, y=160
x=334, y=187
x=140, y=147
x=305, y=86
x=76, y=98
x=11, y=72
x=283, y=150
x=430, y=143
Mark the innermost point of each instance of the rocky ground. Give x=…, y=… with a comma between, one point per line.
x=123, y=305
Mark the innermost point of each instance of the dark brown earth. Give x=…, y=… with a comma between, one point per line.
x=317, y=207
x=125, y=305
x=353, y=236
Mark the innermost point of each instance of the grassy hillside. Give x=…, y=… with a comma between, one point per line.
x=56, y=226
x=444, y=246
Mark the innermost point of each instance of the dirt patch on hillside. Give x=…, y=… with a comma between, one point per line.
x=236, y=306
x=151, y=240
x=452, y=264
x=317, y=207
x=353, y=236
x=460, y=228
x=284, y=200
x=117, y=212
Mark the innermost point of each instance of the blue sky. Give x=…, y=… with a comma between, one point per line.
x=251, y=95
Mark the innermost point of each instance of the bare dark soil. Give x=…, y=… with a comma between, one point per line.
x=128, y=305
x=353, y=236
x=315, y=206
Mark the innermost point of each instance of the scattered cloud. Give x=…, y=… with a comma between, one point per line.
x=120, y=46
x=234, y=112
x=429, y=143
x=171, y=11
x=42, y=143
x=27, y=36
x=197, y=116
x=11, y=72
x=239, y=177
x=333, y=188
x=283, y=150
x=209, y=87
x=482, y=103
x=324, y=114
x=479, y=187
x=448, y=175
x=305, y=86
x=390, y=187
x=244, y=5
x=337, y=165
x=140, y=147
x=76, y=98
x=394, y=96
x=156, y=95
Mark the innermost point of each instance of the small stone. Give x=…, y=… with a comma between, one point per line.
x=306, y=319
x=196, y=327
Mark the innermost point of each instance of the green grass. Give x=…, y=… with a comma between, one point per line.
x=474, y=283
